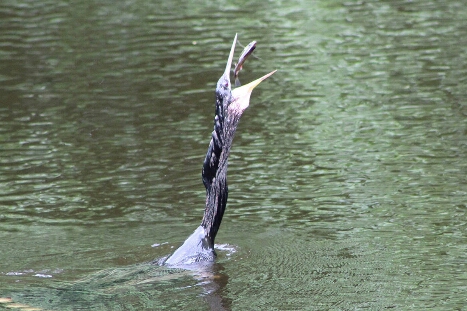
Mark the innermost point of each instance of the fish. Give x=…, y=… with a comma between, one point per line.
x=246, y=52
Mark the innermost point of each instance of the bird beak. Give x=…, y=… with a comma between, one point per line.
x=228, y=67
x=248, y=88
x=241, y=95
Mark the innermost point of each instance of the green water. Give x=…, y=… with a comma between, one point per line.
x=347, y=176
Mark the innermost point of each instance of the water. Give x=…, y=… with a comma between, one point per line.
x=347, y=178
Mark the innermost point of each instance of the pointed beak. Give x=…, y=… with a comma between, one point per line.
x=248, y=88
x=228, y=67
x=242, y=94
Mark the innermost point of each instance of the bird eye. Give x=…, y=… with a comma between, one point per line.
x=226, y=85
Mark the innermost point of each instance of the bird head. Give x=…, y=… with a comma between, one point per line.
x=238, y=99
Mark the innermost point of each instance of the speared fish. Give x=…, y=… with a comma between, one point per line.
x=246, y=52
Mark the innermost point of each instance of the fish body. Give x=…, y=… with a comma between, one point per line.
x=246, y=52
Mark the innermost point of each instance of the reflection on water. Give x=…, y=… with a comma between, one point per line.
x=139, y=286
x=347, y=178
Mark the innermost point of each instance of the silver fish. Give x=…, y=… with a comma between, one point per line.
x=246, y=52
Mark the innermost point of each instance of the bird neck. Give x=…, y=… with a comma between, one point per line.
x=215, y=165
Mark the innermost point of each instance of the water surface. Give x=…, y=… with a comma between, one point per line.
x=347, y=176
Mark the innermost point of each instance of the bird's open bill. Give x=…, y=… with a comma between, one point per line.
x=250, y=86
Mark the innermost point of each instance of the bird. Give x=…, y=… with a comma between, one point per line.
x=230, y=105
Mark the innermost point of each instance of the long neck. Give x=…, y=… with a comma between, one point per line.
x=215, y=165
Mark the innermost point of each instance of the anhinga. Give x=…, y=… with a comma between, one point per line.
x=230, y=105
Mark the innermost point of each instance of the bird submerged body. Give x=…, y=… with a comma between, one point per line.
x=230, y=104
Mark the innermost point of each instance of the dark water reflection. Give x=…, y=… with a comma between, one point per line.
x=347, y=176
